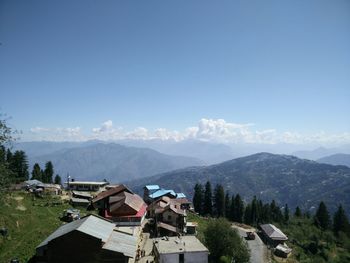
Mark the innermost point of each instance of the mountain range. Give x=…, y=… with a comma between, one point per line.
x=336, y=159
x=111, y=161
x=285, y=178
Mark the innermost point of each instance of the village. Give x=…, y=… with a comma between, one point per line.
x=121, y=226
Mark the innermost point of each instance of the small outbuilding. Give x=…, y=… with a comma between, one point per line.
x=273, y=235
x=179, y=250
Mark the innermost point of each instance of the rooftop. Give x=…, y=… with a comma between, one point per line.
x=152, y=187
x=180, y=195
x=87, y=183
x=273, y=232
x=162, y=192
x=169, y=245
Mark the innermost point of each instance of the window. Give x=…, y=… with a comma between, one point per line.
x=181, y=258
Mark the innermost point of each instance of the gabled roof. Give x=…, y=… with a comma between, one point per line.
x=152, y=187
x=91, y=225
x=273, y=232
x=87, y=183
x=124, y=198
x=173, y=208
x=113, y=191
x=34, y=182
x=161, y=193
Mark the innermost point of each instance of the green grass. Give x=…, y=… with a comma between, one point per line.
x=29, y=221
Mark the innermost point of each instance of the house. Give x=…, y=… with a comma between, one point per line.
x=179, y=250
x=54, y=189
x=282, y=251
x=272, y=235
x=173, y=215
x=121, y=205
x=89, y=239
x=147, y=190
x=191, y=228
x=33, y=184
x=86, y=186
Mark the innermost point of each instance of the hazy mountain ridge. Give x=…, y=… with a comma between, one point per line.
x=336, y=159
x=112, y=161
x=285, y=178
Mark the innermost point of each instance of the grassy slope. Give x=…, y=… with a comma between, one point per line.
x=28, y=222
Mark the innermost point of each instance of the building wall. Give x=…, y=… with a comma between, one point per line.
x=79, y=247
x=190, y=257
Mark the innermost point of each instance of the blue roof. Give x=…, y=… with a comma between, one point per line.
x=180, y=195
x=162, y=192
x=152, y=187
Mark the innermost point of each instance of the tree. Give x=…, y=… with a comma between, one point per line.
x=58, y=179
x=48, y=172
x=322, y=219
x=208, y=203
x=198, y=199
x=2, y=154
x=18, y=164
x=227, y=206
x=36, y=172
x=297, y=212
x=219, y=200
x=286, y=214
x=222, y=240
x=239, y=209
x=6, y=133
x=341, y=222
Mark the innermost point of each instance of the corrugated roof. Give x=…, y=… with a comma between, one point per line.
x=167, y=227
x=273, y=232
x=122, y=243
x=162, y=192
x=79, y=200
x=87, y=183
x=91, y=225
x=110, y=192
x=180, y=195
x=152, y=187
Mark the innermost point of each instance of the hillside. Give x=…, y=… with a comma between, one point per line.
x=287, y=179
x=112, y=161
x=336, y=159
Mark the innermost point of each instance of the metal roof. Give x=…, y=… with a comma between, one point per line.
x=180, y=195
x=162, y=192
x=169, y=245
x=152, y=187
x=273, y=232
x=34, y=182
x=91, y=225
x=122, y=243
x=87, y=183
x=110, y=192
x=79, y=200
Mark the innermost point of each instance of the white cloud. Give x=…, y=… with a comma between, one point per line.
x=214, y=130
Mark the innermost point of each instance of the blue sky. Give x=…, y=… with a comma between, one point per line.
x=276, y=65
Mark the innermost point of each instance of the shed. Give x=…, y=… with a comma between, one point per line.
x=273, y=235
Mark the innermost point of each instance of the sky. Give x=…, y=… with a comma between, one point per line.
x=229, y=71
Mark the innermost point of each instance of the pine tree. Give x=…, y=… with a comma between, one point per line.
x=254, y=211
x=248, y=215
x=286, y=214
x=341, y=222
x=48, y=172
x=227, y=205
x=322, y=219
x=8, y=156
x=208, y=203
x=58, y=179
x=239, y=209
x=198, y=199
x=36, y=172
x=219, y=200
x=232, y=215
x=2, y=154
x=297, y=212
x=19, y=165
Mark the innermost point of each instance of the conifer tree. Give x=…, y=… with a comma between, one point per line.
x=208, y=203
x=58, y=179
x=2, y=154
x=341, y=222
x=232, y=209
x=36, y=172
x=227, y=205
x=286, y=214
x=239, y=209
x=297, y=212
x=19, y=166
x=219, y=200
x=198, y=199
x=322, y=219
x=48, y=172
